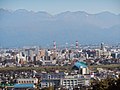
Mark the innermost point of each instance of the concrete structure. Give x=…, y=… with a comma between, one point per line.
x=50, y=82
x=73, y=81
x=28, y=80
x=25, y=84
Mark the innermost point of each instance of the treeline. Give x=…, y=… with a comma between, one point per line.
x=39, y=69
x=106, y=84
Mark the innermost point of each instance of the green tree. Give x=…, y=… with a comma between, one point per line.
x=106, y=84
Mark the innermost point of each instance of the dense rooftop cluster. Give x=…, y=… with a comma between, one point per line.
x=78, y=60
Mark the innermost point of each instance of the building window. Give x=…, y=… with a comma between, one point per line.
x=46, y=84
x=27, y=81
x=64, y=80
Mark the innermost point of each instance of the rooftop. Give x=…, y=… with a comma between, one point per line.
x=24, y=85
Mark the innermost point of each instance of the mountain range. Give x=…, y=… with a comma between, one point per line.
x=22, y=27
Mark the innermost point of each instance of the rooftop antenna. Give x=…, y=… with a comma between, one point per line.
x=54, y=45
x=77, y=45
x=102, y=46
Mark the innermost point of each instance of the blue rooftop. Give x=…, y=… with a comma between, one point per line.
x=80, y=64
x=24, y=85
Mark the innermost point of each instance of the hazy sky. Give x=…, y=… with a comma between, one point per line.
x=57, y=6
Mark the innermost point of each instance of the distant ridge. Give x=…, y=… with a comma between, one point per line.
x=23, y=27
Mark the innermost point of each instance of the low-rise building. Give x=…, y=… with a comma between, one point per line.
x=74, y=81
x=27, y=83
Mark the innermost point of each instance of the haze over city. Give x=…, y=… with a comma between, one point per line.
x=42, y=21
x=59, y=44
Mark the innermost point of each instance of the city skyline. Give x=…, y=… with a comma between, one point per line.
x=59, y=44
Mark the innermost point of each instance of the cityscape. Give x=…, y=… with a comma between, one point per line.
x=59, y=44
x=73, y=67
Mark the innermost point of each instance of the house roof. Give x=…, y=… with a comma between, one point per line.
x=24, y=86
x=80, y=64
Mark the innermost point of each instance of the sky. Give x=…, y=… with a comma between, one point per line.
x=58, y=6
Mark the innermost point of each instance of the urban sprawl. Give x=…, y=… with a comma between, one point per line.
x=75, y=67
